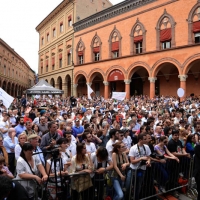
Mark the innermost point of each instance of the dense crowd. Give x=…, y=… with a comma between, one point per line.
x=99, y=137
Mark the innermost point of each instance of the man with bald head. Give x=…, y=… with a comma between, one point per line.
x=158, y=133
x=10, y=141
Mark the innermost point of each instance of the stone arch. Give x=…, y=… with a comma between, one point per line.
x=190, y=22
x=77, y=76
x=173, y=24
x=90, y=76
x=95, y=46
x=80, y=51
x=59, y=83
x=143, y=31
x=9, y=88
x=186, y=64
x=157, y=65
x=114, y=68
x=68, y=83
x=133, y=68
x=115, y=30
x=52, y=82
x=46, y=80
x=4, y=85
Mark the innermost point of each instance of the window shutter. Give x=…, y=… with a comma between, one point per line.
x=115, y=46
x=96, y=49
x=53, y=61
x=196, y=27
x=80, y=53
x=46, y=62
x=69, y=18
x=138, y=38
x=165, y=35
x=60, y=56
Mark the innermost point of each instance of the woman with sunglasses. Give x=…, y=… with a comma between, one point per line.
x=120, y=163
x=22, y=138
x=28, y=167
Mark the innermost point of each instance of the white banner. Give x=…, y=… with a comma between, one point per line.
x=89, y=91
x=6, y=98
x=119, y=95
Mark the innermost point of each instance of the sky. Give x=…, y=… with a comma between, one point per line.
x=19, y=19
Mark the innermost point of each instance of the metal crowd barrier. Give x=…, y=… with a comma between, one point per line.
x=162, y=178
x=30, y=186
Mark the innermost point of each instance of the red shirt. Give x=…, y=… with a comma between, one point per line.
x=27, y=119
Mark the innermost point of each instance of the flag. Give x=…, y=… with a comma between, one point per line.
x=6, y=98
x=89, y=91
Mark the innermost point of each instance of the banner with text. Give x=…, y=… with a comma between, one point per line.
x=119, y=95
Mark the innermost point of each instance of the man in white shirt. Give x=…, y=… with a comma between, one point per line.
x=71, y=145
x=114, y=135
x=5, y=125
x=90, y=146
x=140, y=159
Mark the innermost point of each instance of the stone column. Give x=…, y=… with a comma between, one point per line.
x=127, y=88
x=152, y=86
x=75, y=90
x=57, y=85
x=64, y=88
x=106, y=84
x=183, y=83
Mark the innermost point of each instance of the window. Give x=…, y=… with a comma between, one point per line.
x=69, y=58
x=54, y=32
x=4, y=70
x=41, y=70
x=47, y=68
x=80, y=59
x=0, y=61
x=60, y=63
x=138, y=47
x=53, y=63
x=61, y=27
x=13, y=73
x=115, y=54
x=197, y=37
x=69, y=21
x=96, y=56
x=47, y=37
x=9, y=72
x=166, y=45
x=42, y=41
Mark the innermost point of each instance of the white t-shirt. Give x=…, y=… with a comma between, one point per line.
x=137, y=154
x=127, y=141
x=109, y=148
x=91, y=147
x=4, y=126
x=22, y=168
x=72, y=148
x=18, y=150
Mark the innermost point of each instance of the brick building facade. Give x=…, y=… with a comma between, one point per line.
x=56, y=41
x=141, y=47
x=15, y=74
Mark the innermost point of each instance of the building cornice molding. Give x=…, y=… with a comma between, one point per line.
x=57, y=10
x=109, y=13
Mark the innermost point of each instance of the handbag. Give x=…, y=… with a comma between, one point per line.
x=82, y=183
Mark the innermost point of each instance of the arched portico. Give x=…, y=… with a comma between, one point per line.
x=52, y=82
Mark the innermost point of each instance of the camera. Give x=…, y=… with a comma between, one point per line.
x=143, y=162
x=54, y=152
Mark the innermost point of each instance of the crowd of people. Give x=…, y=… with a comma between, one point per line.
x=99, y=137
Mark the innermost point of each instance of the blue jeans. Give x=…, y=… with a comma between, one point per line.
x=117, y=185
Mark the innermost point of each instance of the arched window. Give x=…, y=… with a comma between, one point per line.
x=194, y=25
x=115, y=44
x=165, y=32
x=96, y=48
x=80, y=52
x=138, y=39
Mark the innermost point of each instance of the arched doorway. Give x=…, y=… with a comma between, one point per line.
x=4, y=86
x=68, y=85
x=82, y=87
x=193, y=79
x=59, y=82
x=16, y=90
x=13, y=90
x=46, y=80
x=167, y=77
x=9, y=88
x=116, y=80
x=97, y=83
x=52, y=82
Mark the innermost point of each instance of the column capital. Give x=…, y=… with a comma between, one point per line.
x=152, y=79
x=75, y=85
x=127, y=82
x=183, y=77
x=89, y=84
x=105, y=83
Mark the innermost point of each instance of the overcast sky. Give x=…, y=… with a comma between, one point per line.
x=18, y=21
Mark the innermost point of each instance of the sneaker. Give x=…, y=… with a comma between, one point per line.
x=162, y=189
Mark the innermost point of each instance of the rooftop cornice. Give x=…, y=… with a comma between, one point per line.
x=109, y=13
x=14, y=52
x=53, y=13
